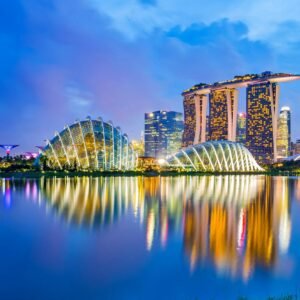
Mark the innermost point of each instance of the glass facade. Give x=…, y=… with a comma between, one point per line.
x=139, y=146
x=222, y=114
x=284, y=133
x=262, y=102
x=215, y=156
x=189, y=120
x=163, y=133
x=93, y=145
x=195, y=119
x=241, y=128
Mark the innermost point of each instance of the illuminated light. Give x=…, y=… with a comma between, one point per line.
x=91, y=144
x=218, y=209
x=215, y=156
x=241, y=231
x=262, y=106
x=34, y=192
x=3, y=186
x=27, y=190
x=150, y=229
x=8, y=148
x=163, y=134
x=161, y=161
x=7, y=195
x=164, y=232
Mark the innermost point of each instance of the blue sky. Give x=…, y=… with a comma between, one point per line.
x=65, y=60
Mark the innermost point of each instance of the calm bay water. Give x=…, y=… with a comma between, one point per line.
x=211, y=237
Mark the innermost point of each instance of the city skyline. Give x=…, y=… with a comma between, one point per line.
x=58, y=70
x=211, y=112
x=149, y=149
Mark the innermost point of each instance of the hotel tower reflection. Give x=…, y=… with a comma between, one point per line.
x=236, y=223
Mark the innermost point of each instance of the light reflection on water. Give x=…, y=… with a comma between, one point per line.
x=233, y=223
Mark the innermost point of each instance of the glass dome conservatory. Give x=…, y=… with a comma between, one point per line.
x=215, y=156
x=91, y=144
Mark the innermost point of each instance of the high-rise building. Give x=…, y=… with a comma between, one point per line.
x=284, y=133
x=241, y=128
x=138, y=146
x=223, y=113
x=216, y=105
x=296, y=147
x=163, y=133
x=261, y=132
x=195, y=107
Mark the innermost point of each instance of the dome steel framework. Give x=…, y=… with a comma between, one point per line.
x=91, y=144
x=215, y=156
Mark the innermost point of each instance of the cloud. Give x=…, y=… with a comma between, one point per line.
x=65, y=60
x=201, y=34
x=262, y=18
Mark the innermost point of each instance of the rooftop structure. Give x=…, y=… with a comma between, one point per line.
x=220, y=101
x=243, y=81
x=215, y=156
x=8, y=148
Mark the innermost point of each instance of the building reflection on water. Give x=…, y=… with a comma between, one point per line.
x=236, y=223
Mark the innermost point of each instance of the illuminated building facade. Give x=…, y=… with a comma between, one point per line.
x=297, y=147
x=284, y=133
x=215, y=156
x=138, y=146
x=241, y=128
x=261, y=134
x=222, y=114
x=148, y=163
x=262, y=105
x=163, y=133
x=195, y=108
x=90, y=144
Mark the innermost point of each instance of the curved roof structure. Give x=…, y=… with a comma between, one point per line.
x=91, y=144
x=215, y=156
x=292, y=158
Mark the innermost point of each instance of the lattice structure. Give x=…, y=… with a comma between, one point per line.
x=91, y=144
x=215, y=156
x=8, y=148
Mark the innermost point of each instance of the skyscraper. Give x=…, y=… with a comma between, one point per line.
x=195, y=107
x=138, y=146
x=222, y=114
x=284, y=133
x=297, y=147
x=216, y=105
x=163, y=133
x=261, y=132
x=241, y=128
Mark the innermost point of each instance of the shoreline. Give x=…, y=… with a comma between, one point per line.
x=62, y=174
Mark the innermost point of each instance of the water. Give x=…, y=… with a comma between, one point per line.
x=212, y=237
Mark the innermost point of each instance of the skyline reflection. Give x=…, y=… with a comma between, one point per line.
x=236, y=223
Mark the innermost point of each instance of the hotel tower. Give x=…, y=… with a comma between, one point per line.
x=218, y=104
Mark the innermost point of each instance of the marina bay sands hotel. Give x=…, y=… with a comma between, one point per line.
x=210, y=112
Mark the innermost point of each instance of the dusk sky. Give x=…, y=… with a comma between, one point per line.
x=63, y=60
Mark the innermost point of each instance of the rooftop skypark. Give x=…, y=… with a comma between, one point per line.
x=243, y=81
